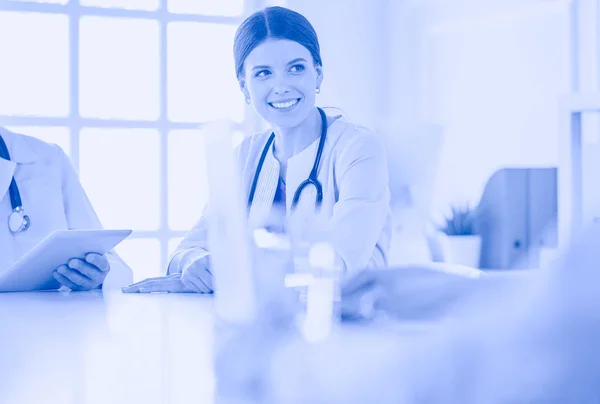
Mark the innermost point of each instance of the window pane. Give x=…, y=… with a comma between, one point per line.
x=119, y=170
x=149, y=5
x=188, y=186
x=119, y=68
x=143, y=257
x=50, y=134
x=207, y=7
x=34, y=71
x=201, y=76
x=187, y=177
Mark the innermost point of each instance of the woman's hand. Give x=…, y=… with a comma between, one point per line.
x=78, y=274
x=162, y=284
x=196, y=276
x=413, y=292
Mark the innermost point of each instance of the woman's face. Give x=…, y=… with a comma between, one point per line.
x=280, y=79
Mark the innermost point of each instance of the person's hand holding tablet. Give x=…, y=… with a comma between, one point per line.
x=78, y=274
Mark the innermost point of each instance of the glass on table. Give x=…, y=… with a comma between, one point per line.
x=317, y=277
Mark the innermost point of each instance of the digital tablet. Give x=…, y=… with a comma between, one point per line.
x=34, y=270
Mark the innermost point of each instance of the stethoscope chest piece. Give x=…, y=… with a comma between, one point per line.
x=18, y=221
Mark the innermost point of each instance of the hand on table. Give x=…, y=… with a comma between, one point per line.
x=196, y=276
x=186, y=282
x=166, y=284
x=78, y=274
x=410, y=292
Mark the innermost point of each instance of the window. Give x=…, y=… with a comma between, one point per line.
x=199, y=88
x=121, y=86
x=34, y=73
x=119, y=65
x=221, y=7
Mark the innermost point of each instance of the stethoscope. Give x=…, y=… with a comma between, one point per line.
x=312, y=178
x=18, y=221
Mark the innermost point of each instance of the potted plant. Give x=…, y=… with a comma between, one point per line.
x=462, y=242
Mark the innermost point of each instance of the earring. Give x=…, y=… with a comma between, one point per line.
x=318, y=90
x=248, y=101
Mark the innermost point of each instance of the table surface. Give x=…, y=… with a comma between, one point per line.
x=109, y=347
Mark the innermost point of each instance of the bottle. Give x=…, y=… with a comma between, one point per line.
x=238, y=367
x=323, y=298
x=227, y=228
x=273, y=263
x=246, y=350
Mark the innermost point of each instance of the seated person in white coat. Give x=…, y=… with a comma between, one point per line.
x=279, y=69
x=40, y=192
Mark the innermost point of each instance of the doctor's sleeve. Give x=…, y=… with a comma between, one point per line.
x=80, y=214
x=360, y=222
x=192, y=248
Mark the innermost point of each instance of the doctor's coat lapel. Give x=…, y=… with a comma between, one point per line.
x=265, y=189
x=20, y=153
x=7, y=169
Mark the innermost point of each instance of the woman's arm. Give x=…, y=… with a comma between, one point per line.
x=193, y=248
x=361, y=216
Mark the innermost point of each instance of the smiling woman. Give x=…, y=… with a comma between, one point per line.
x=330, y=175
x=278, y=65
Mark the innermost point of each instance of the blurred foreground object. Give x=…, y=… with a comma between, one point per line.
x=409, y=292
x=249, y=261
x=513, y=337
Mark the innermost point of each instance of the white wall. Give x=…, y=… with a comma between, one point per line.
x=354, y=40
x=493, y=74
x=490, y=71
x=588, y=80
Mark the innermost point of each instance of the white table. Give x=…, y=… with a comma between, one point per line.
x=95, y=347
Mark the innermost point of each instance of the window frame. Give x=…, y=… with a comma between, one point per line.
x=74, y=122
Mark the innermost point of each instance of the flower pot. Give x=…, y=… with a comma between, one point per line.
x=462, y=250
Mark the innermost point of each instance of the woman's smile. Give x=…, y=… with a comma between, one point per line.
x=285, y=105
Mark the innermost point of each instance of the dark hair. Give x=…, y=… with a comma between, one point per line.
x=278, y=23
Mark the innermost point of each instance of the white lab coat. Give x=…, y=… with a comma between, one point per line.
x=52, y=197
x=356, y=196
